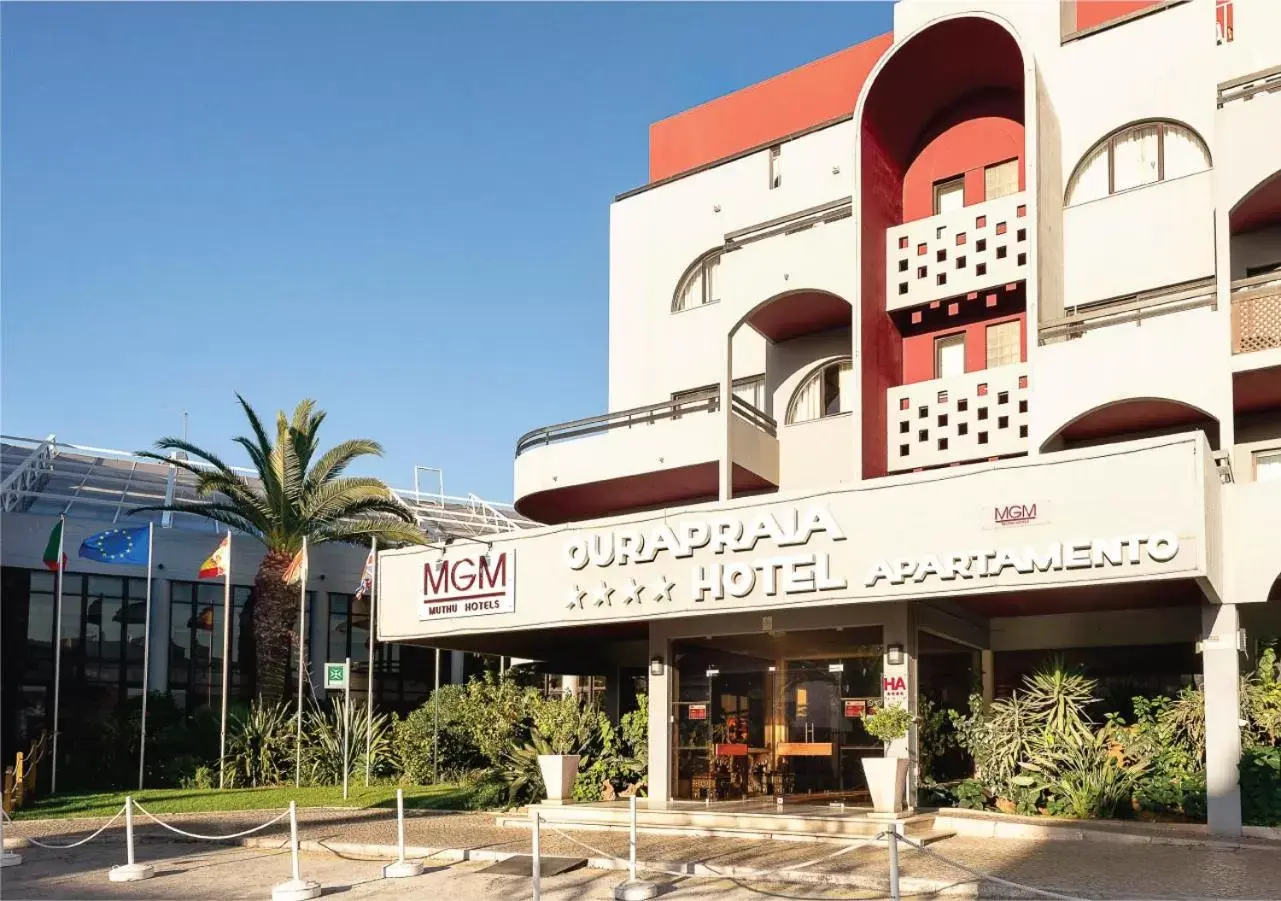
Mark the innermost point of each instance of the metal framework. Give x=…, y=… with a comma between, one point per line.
x=56, y=478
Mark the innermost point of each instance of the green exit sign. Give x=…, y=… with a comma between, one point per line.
x=335, y=676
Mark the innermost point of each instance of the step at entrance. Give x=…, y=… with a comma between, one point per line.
x=522, y=865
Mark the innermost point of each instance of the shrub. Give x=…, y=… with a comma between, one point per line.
x=323, y=728
x=414, y=739
x=1261, y=786
x=888, y=723
x=971, y=794
x=260, y=745
x=566, y=726
x=1085, y=776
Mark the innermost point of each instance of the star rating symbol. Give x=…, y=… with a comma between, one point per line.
x=631, y=594
x=576, y=596
x=603, y=594
x=662, y=589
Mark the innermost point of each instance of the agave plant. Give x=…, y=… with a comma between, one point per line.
x=296, y=493
x=1089, y=778
x=1057, y=697
x=324, y=726
x=260, y=746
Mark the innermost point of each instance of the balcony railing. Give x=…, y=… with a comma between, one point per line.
x=1256, y=313
x=954, y=253
x=966, y=417
x=1130, y=308
x=707, y=401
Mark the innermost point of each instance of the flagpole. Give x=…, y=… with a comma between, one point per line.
x=61, y=573
x=146, y=660
x=226, y=667
x=369, y=686
x=302, y=615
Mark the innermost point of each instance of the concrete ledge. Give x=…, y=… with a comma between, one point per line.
x=981, y=824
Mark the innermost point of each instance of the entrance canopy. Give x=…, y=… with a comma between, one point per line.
x=1127, y=514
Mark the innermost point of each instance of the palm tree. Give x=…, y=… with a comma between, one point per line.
x=294, y=496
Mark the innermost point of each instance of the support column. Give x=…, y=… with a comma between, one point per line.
x=660, y=720
x=457, y=675
x=900, y=629
x=1222, y=669
x=727, y=413
x=988, y=663
x=570, y=686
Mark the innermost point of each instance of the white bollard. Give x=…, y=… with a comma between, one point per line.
x=132, y=871
x=401, y=868
x=536, y=876
x=634, y=889
x=7, y=858
x=297, y=888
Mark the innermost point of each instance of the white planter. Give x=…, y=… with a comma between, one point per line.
x=887, y=781
x=559, y=772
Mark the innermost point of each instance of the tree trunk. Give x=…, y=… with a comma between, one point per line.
x=275, y=628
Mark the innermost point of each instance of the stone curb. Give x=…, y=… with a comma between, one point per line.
x=975, y=827
x=910, y=884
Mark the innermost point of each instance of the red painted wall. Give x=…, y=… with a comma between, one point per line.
x=972, y=137
x=881, y=206
x=1095, y=12
x=918, y=350
x=793, y=101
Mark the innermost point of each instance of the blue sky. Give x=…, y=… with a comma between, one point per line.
x=398, y=210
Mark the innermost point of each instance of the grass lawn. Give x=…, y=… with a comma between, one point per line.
x=183, y=800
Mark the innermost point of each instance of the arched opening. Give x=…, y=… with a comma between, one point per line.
x=700, y=283
x=1135, y=156
x=1133, y=418
x=1254, y=226
x=942, y=154
x=827, y=391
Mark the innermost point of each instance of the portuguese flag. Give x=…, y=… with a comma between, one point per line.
x=52, y=547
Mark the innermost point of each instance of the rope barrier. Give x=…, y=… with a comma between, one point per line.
x=209, y=838
x=988, y=876
x=82, y=841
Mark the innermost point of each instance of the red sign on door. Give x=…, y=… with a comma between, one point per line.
x=698, y=711
x=855, y=709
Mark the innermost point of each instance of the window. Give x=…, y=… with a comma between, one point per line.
x=1003, y=340
x=751, y=390
x=776, y=166
x=1267, y=466
x=949, y=356
x=949, y=195
x=700, y=284
x=1137, y=155
x=1001, y=179
x=828, y=391
x=195, y=641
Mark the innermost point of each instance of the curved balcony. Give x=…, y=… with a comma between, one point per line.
x=646, y=457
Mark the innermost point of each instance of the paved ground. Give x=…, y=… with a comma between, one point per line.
x=1083, y=869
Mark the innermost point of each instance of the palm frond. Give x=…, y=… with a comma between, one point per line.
x=391, y=531
x=223, y=513
x=181, y=444
x=335, y=461
x=330, y=500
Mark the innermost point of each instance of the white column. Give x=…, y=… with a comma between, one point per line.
x=570, y=686
x=660, y=720
x=900, y=629
x=988, y=663
x=727, y=414
x=1221, y=666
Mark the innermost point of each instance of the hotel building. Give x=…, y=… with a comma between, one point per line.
x=928, y=359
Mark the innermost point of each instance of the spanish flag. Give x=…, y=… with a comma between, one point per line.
x=219, y=561
x=294, y=573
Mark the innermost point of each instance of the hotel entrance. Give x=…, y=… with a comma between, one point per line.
x=775, y=714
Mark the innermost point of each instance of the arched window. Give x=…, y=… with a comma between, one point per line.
x=700, y=283
x=827, y=391
x=1137, y=155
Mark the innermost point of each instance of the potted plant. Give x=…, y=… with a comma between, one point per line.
x=564, y=731
x=887, y=776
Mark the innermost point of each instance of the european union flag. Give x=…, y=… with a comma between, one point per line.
x=117, y=546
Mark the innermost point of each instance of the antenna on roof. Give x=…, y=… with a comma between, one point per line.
x=184, y=425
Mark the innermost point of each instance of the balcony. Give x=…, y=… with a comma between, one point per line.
x=963, y=418
x=646, y=457
x=1256, y=313
x=953, y=254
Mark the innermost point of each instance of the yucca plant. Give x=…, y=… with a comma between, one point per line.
x=1057, y=698
x=297, y=493
x=1088, y=777
x=260, y=746
x=322, y=755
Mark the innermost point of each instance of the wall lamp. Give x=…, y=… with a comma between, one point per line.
x=894, y=655
x=656, y=666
